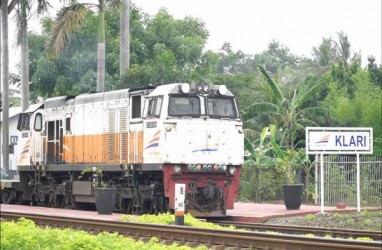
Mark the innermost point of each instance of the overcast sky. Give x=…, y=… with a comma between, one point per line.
x=249, y=25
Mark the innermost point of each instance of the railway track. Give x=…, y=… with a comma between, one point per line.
x=299, y=230
x=193, y=236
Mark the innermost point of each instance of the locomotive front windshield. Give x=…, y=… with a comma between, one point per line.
x=190, y=106
x=181, y=106
x=221, y=107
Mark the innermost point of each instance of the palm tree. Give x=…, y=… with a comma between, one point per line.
x=344, y=48
x=41, y=7
x=24, y=57
x=5, y=83
x=70, y=17
x=124, y=55
x=288, y=114
x=324, y=54
x=1, y=99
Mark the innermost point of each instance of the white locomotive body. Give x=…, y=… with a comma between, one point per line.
x=145, y=141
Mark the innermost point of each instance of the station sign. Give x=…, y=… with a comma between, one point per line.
x=336, y=140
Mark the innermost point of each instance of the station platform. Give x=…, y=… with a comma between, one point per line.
x=260, y=213
x=242, y=212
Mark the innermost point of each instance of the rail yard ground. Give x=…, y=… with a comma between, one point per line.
x=365, y=220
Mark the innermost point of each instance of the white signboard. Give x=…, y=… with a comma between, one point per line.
x=326, y=140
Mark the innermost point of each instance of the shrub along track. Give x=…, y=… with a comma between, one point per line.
x=194, y=236
x=284, y=229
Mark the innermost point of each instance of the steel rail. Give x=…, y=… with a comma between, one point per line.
x=203, y=236
x=317, y=231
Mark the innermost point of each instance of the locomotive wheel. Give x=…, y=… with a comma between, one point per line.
x=19, y=198
x=8, y=196
x=51, y=199
x=59, y=201
x=127, y=206
x=166, y=205
x=68, y=200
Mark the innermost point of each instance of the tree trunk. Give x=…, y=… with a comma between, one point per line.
x=24, y=59
x=5, y=84
x=124, y=47
x=101, y=67
x=101, y=49
x=1, y=99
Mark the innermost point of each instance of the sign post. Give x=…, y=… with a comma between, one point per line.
x=358, y=185
x=322, y=182
x=331, y=140
x=179, y=206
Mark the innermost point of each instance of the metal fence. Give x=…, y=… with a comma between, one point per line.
x=340, y=180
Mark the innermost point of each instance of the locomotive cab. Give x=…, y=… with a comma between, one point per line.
x=198, y=139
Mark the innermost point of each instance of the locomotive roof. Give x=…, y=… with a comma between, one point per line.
x=61, y=101
x=176, y=88
x=57, y=101
x=106, y=96
x=33, y=107
x=167, y=88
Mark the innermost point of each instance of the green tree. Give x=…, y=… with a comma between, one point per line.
x=375, y=72
x=71, y=16
x=362, y=109
x=60, y=75
x=154, y=58
x=233, y=63
x=167, y=50
x=276, y=58
x=325, y=54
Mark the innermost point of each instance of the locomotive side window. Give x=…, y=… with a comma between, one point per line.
x=221, y=107
x=184, y=106
x=23, y=122
x=67, y=122
x=136, y=106
x=38, y=122
x=155, y=105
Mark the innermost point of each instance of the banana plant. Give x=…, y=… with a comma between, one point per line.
x=291, y=114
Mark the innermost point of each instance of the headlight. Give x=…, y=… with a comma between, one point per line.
x=222, y=89
x=185, y=88
x=205, y=88
x=177, y=169
x=232, y=170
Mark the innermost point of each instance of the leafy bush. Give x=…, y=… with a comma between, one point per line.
x=169, y=219
x=24, y=234
x=311, y=217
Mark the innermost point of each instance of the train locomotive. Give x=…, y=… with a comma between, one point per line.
x=143, y=141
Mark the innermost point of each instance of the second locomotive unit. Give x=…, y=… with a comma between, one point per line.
x=143, y=140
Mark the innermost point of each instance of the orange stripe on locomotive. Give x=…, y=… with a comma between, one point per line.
x=96, y=149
